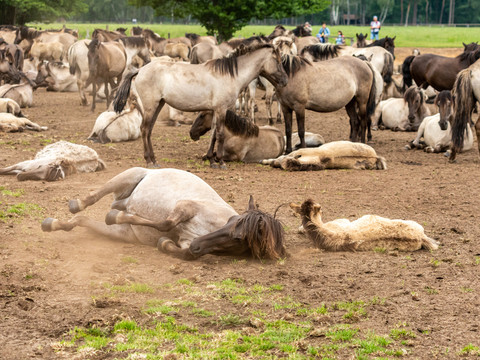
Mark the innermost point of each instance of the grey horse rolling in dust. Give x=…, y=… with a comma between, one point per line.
x=325, y=87
x=333, y=155
x=214, y=85
x=179, y=213
x=56, y=161
x=369, y=232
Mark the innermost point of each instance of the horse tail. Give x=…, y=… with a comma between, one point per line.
x=381, y=163
x=429, y=243
x=189, y=52
x=407, y=75
x=194, y=56
x=464, y=105
x=72, y=60
x=123, y=92
x=371, y=103
x=17, y=58
x=387, y=70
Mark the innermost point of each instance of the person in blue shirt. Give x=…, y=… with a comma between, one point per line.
x=323, y=33
x=374, y=28
x=340, y=40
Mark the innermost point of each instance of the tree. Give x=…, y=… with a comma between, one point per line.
x=224, y=17
x=18, y=12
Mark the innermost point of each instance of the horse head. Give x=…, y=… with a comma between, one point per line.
x=93, y=55
x=201, y=125
x=361, y=40
x=254, y=231
x=7, y=68
x=444, y=101
x=273, y=70
x=415, y=99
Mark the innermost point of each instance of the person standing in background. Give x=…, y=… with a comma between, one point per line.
x=323, y=33
x=374, y=28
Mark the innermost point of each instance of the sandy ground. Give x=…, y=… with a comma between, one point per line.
x=48, y=280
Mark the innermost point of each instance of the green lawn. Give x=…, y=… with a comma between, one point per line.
x=418, y=36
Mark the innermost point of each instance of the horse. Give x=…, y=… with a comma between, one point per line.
x=302, y=31
x=135, y=46
x=379, y=84
x=320, y=52
x=179, y=50
x=106, y=62
x=197, y=39
x=78, y=66
x=436, y=130
x=8, y=33
x=26, y=36
x=56, y=77
x=367, y=233
x=353, y=88
x=7, y=69
x=333, y=155
x=55, y=162
x=136, y=31
x=10, y=106
x=439, y=71
x=155, y=42
x=11, y=123
x=51, y=51
x=179, y=213
x=204, y=51
x=14, y=53
x=280, y=30
x=361, y=40
x=106, y=35
x=244, y=141
x=402, y=114
x=305, y=41
x=467, y=92
x=387, y=43
x=21, y=93
x=214, y=85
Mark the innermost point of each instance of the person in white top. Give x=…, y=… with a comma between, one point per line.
x=374, y=28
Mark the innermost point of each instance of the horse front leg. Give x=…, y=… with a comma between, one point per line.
x=107, y=95
x=477, y=130
x=149, y=119
x=352, y=114
x=300, y=114
x=94, y=93
x=287, y=114
x=220, y=130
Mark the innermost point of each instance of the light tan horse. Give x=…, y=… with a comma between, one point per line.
x=244, y=141
x=214, y=85
x=325, y=87
x=364, y=234
x=21, y=93
x=51, y=51
x=204, y=51
x=177, y=50
x=106, y=35
x=106, y=63
x=27, y=36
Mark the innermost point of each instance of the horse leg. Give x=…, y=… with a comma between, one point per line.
x=365, y=122
x=184, y=210
x=210, y=153
x=107, y=95
x=300, y=114
x=287, y=115
x=477, y=130
x=94, y=93
x=146, y=128
x=121, y=185
x=167, y=246
x=352, y=114
x=220, y=131
x=117, y=232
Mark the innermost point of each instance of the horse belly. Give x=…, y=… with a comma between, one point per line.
x=394, y=117
x=332, y=96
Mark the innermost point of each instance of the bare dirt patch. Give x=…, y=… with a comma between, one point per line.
x=51, y=283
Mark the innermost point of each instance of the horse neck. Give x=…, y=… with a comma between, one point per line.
x=320, y=235
x=249, y=67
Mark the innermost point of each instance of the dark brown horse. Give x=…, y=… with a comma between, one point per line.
x=387, y=43
x=439, y=71
x=361, y=40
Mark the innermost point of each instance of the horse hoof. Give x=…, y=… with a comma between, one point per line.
x=111, y=217
x=223, y=167
x=214, y=166
x=162, y=241
x=47, y=224
x=74, y=206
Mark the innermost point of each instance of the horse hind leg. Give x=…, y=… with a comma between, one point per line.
x=149, y=119
x=121, y=185
x=477, y=130
x=352, y=114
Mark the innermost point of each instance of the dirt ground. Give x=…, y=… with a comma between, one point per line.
x=48, y=281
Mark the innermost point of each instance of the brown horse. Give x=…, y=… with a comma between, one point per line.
x=214, y=85
x=439, y=71
x=106, y=35
x=387, y=43
x=350, y=84
x=244, y=141
x=7, y=70
x=361, y=40
x=106, y=62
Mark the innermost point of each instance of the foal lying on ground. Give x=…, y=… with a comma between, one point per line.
x=366, y=233
x=180, y=214
x=333, y=155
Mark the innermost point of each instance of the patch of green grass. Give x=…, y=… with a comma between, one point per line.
x=465, y=289
x=202, y=312
x=435, y=262
x=286, y=302
x=469, y=349
x=354, y=309
x=130, y=288
x=13, y=193
x=185, y=282
x=380, y=250
x=19, y=210
x=430, y=291
x=400, y=333
x=230, y=320
x=341, y=333
x=129, y=260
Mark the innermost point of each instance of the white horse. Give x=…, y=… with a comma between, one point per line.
x=56, y=161
x=11, y=123
x=21, y=93
x=214, y=85
x=366, y=233
x=436, y=130
x=10, y=106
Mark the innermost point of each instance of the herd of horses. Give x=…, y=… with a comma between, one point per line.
x=144, y=72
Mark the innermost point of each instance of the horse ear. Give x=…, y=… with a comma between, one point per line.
x=394, y=37
x=464, y=45
x=251, y=204
x=356, y=34
x=295, y=207
x=370, y=58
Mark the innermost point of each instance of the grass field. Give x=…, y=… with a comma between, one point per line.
x=412, y=36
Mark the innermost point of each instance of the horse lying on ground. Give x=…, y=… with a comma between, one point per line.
x=366, y=233
x=10, y=123
x=10, y=106
x=180, y=214
x=56, y=161
x=437, y=130
x=244, y=141
x=402, y=114
x=22, y=93
x=333, y=155
x=55, y=76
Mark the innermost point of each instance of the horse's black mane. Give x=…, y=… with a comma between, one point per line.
x=263, y=233
x=443, y=96
x=154, y=36
x=470, y=53
x=121, y=30
x=300, y=31
x=292, y=64
x=322, y=52
x=137, y=30
x=192, y=36
x=135, y=41
x=229, y=64
x=240, y=126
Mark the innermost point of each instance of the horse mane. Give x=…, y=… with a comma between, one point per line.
x=192, y=36
x=263, y=233
x=229, y=64
x=134, y=41
x=28, y=33
x=468, y=50
x=240, y=126
x=137, y=30
x=93, y=44
x=443, y=96
x=152, y=35
x=322, y=52
x=257, y=38
x=121, y=30
x=292, y=63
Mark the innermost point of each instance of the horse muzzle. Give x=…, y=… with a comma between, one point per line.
x=443, y=125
